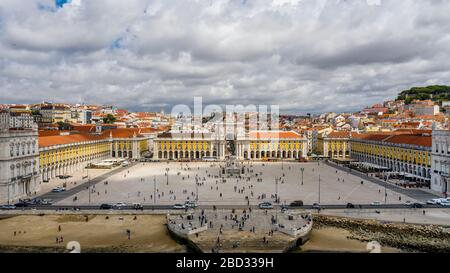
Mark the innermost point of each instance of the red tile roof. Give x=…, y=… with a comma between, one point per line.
x=48, y=141
x=274, y=134
x=423, y=139
x=51, y=139
x=339, y=134
x=418, y=140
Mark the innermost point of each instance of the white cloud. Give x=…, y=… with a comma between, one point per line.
x=307, y=56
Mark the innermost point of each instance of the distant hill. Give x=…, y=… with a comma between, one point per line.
x=436, y=93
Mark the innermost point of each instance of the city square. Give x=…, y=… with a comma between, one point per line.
x=260, y=183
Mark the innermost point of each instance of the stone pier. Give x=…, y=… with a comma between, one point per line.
x=240, y=231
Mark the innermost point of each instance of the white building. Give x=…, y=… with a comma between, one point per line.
x=426, y=110
x=19, y=161
x=440, y=164
x=20, y=119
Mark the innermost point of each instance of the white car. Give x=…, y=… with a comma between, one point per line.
x=120, y=205
x=125, y=163
x=445, y=203
x=58, y=189
x=439, y=201
x=179, y=206
x=433, y=201
x=190, y=204
x=265, y=205
x=376, y=203
x=7, y=207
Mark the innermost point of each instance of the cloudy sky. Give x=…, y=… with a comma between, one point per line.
x=304, y=55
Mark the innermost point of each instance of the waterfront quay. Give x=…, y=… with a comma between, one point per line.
x=247, y=230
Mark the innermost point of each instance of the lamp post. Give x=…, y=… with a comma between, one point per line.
x=167, y=174
x=196, y=189
x=276, y=198
x=276, y=190
x=7, y=185
x=302, y=170
x=385, y=189
x=89, y=186
x=154, y=190
x=319, y=188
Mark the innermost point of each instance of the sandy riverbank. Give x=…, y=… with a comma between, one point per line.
x=98, y=234
x=331, y=239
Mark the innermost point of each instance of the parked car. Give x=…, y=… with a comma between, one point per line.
x=7, y=207
x=416, y=205
x=106, y=206
x=138, y=206
x=297, y=203
x=44, y=202
x=434, y=201
x=376, y=203
x=58, y=189
x=120, y=205
x=125, y=163
x=316, y=206
x=350, y=206
x=22, y=204
x=265, y=205
x=190, y=204
x=445, y=203
x=179, y=206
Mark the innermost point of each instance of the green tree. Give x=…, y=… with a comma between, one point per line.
x=109, y=119
x=64, y=126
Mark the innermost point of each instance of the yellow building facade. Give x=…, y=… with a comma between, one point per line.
x=410, y=154
x=257, y=145
x=169, y=146
x=65, y=154
x=334, y=145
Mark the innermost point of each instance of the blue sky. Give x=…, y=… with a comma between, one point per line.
x=61, y=3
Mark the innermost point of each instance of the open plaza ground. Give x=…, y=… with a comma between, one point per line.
x=168, y=183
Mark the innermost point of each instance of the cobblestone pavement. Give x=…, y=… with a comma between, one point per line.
x=143, y=182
